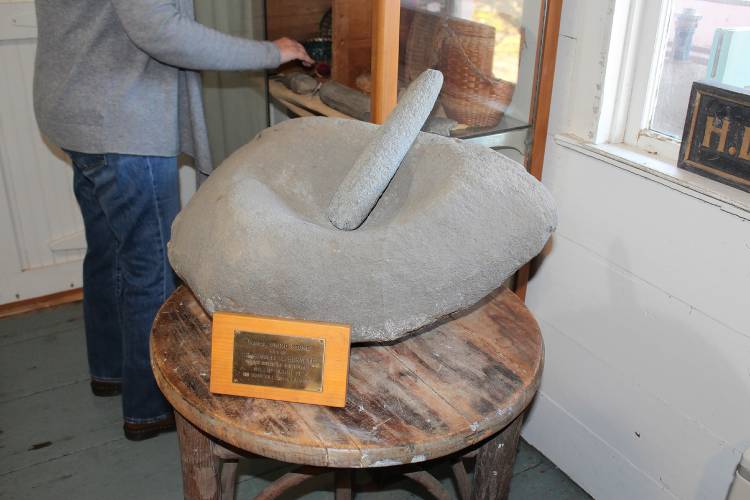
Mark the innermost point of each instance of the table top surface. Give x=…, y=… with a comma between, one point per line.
x=426, y=396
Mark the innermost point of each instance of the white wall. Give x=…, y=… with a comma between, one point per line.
x=644, y=304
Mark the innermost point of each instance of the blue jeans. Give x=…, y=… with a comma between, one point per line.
x=128, y=203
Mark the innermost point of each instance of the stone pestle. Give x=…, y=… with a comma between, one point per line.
x=365, y=183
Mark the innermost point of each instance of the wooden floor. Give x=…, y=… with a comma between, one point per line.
x=57, y=441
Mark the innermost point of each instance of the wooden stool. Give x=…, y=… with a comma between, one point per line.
x=463, y=382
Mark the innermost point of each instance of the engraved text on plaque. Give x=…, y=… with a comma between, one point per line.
x=278, y=361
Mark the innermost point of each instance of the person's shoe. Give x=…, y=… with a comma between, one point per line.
x=105, y=389
x=139, y=432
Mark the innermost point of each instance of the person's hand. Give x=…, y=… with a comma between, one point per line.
x=291, y=50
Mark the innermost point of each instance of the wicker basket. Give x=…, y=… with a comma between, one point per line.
x=471, y=95
x=464, y=51
x=423, y=43
x=326, y=24
x=482, y=106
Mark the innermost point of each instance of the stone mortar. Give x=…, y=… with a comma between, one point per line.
x=455, y=221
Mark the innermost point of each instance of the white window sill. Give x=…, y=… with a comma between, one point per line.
x=664, y=172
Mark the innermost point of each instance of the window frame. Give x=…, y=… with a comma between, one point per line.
x=650, y=21
x=641, y=64
x=608, y=62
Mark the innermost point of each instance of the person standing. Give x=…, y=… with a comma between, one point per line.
x=116, y=87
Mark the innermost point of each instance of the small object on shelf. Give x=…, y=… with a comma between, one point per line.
x=300, y=83
x=686, y=23
x=364, y=83
x=345, y=99
x=716, y=140
x=319, y=49
x=323, y=70
x=439, y=125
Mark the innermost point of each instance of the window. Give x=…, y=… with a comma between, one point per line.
x=676, y=42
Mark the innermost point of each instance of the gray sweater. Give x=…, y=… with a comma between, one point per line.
x=118, y=76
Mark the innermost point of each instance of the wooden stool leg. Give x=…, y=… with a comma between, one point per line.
x=463, y=482
x=228, y=478
x=430, y=483
x=200, y=468
x=494, y=467
x=343, y=481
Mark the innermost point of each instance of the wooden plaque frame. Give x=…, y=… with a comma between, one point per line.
x=336, y=340
x=716, y=137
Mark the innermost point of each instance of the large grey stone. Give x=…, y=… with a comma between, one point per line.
x=455, y=221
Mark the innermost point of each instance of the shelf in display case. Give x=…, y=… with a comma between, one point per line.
x=506, y=124
x=509, y=133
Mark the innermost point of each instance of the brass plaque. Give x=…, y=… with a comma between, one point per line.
x=278, y=361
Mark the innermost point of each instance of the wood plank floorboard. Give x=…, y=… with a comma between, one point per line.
x=117, y=470
x=30, y=325
x=56, y=423
x=42, y=363
x=58, y=441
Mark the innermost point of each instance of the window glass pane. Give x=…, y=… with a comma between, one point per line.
x=705, y=39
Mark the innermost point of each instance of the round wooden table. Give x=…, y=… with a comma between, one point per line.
x=457, y=389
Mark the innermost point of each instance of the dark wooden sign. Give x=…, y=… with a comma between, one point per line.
x=716, y=141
